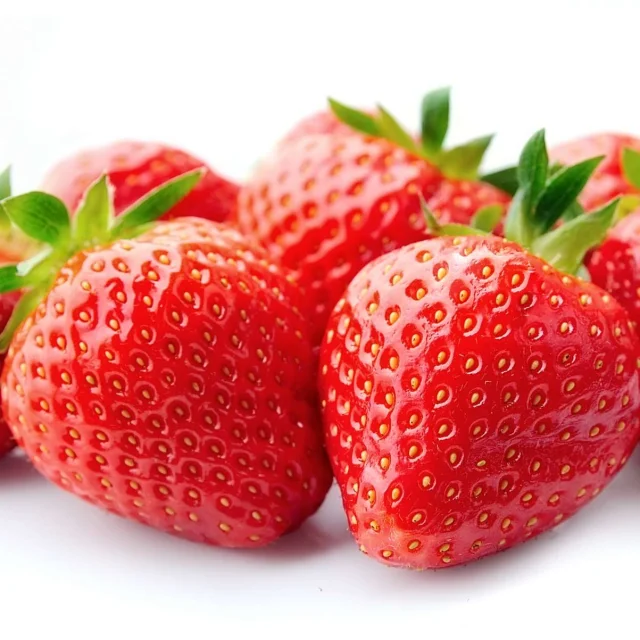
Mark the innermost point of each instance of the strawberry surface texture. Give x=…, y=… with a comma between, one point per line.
x=474, y=397
x=170, y=379
x=134, y=168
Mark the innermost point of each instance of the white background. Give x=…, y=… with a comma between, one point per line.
x=225, y=80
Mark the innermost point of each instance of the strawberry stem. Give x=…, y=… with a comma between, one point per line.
x=460, y=162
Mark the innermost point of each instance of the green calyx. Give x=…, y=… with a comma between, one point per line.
x=460, y=162
x=45, y=219
x=544, y=196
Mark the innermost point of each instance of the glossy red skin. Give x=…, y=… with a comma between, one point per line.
x=327, y=205
x=135, y=168
x=321, y=122
x=608, y=181
x=7, y=304
x=192, y=410
x=615, y=264
x=457, y=201
x=478, y=459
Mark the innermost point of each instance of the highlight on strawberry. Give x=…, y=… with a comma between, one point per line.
x=163, y=372
x=477, y=392
x=327, y=204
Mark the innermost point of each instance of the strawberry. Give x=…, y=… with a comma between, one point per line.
x=475, y=392
x=7, y=303
x=611, y=178
x=168, y=377
x=325, y=205
x=13, y=246
x=134, y=169
x=615, y=264
x=321, y=122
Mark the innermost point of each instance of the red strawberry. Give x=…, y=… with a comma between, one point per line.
x=457, y=201
x=615, y=264
x=7, y=304
x=322, y=122
x=134, y=169
x=14, y=246
x=610, y=179
x=325, y=205
x=169, y=378
x=474, y=394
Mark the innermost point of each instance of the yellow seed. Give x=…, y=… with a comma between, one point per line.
x=441, y=273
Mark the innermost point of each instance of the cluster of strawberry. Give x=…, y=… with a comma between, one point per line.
x=459, y=351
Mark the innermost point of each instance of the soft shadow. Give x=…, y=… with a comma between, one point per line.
x=15, y=469
x=308, y=541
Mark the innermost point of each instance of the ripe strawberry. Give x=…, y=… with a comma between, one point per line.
x=167, y=378
x=7, y=303
x=134, y=169
x=13, y=246
x=615, y=264
x=458, y=201
x=611, y=178
x=321, y=122
x=475, y=394
x=325, y=205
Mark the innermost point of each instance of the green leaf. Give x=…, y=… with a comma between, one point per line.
x=94, y=214
x=354, y=118
x=392, y=130
x=518, y=225
x=27, y=303
x=41, y=216
x=463, y=162
x=627, y=205
x=562, y=191
x=504, y=179
x=574, y=210
x=555, y=167
x=5, y=183
x=487, y=218
x=631, y=166
x=10, y=279
x=155, y=203
x=5, y=192
x=566, y=246
x=435, y=120
x=533, y=170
